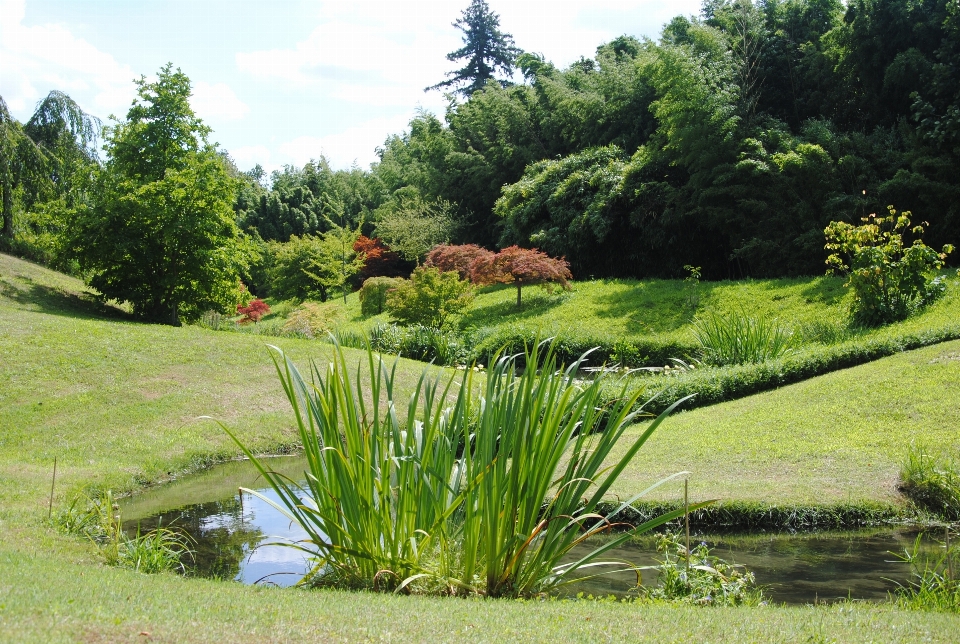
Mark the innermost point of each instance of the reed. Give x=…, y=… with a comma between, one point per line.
x=470, y=491
x=740, y=339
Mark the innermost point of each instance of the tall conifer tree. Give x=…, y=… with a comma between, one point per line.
x=486, y=49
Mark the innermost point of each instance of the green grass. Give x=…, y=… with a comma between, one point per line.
x=116, y=403
x=838, y=438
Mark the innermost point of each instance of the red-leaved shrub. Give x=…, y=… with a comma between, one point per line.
x=520, y=267
x=457, y=258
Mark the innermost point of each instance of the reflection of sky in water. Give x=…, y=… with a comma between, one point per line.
x=265, y=560
x=795, y=569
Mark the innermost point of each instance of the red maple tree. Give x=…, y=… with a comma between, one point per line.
x=457, y=258
x=253, y=311
x=379, y=260
x=520, y=267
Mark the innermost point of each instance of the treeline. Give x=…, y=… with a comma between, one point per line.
x=729, y=143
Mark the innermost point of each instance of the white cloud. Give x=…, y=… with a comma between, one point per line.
x=36, y=59
x=217, y=102
x=356, y=144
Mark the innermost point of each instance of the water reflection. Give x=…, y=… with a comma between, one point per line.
x=229, y=535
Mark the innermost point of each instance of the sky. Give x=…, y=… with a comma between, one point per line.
x=286, y=81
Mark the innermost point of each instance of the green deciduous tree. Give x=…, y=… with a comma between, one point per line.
x=159, y=230
x=486, y=49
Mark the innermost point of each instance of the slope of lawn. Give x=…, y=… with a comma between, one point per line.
x=837, y=438
x=117, y=403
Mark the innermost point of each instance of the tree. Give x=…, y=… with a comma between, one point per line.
x=159, y=231
x=521, y=267
x=412, y=225
x=457, y=258
x=379, y=260
x=41, y=157
x=485, y=48
x=313, y=266
x=429, y=297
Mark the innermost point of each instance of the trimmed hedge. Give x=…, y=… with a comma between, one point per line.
x=710, y=386
x=745, y=516
x=570, y=346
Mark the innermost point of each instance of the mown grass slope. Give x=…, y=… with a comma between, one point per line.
x=117, y=403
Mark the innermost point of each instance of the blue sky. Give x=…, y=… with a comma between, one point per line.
x=285, y=81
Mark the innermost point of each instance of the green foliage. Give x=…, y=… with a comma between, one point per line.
x=889, y=279
x=159, y=231
x=97, y=518
x=932, y=482
x=312, y=320
x=412, y=225
x=429, y=297
x=373, y=294
x=395, y=505
x=313, y=266
x=699, y=577
x=486, y=49
x=935, y=586
x=740, y=339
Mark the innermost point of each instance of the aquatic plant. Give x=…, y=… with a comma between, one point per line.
x=698, y=577
x=935, y=586
x=97, y=518
x=464, y=492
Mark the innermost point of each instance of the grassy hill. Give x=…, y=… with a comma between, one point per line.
x=116, y=402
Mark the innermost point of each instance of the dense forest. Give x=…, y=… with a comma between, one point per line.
x=729, y=143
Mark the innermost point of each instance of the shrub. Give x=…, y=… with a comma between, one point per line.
x=373, y=294
x=460, y=258
x=253, y=311
x=430, y=297
x=520, y=267
x=311, y=319
x=739, y=339
x=889, y=278
x=490, y=494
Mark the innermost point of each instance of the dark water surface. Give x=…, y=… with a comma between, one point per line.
x=793, y=568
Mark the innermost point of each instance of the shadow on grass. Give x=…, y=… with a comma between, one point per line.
x=658, y=306
x=536, y=301
x=31, y=295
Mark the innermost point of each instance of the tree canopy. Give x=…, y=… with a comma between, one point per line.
x=159, y=230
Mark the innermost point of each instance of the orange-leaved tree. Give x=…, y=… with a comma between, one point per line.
x=459, y=258
x=521, y=267
x=378, y=259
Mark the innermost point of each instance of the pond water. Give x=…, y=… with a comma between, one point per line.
x=230, y=533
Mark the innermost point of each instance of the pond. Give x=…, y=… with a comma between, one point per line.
x=229, y=532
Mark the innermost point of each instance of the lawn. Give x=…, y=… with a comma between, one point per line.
x=117, y=402
x=837, y=438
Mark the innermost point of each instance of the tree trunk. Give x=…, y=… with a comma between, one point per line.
x=519, y=286
x=7, y=211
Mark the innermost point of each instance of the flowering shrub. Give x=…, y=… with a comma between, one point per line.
x=253, y=311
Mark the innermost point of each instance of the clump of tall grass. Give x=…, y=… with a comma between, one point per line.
x=932, y=482
x=97, y=518
x=935, y=586
x=740, y=339
x=473, y=488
